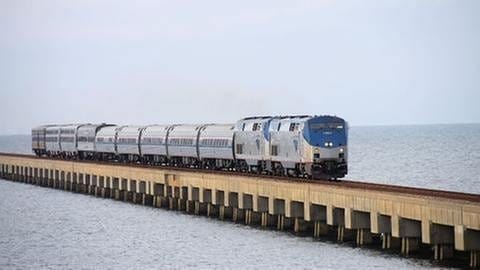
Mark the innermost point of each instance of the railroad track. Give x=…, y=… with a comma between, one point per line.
x=470, y=197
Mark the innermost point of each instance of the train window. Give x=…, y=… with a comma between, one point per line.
x=317, y=126
x=279, y=125
x=274, y=150
x=66, y=139
x=243, y=127
x=239, y=149
x=293, y=126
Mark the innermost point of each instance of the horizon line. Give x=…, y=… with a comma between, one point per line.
x=356, y=126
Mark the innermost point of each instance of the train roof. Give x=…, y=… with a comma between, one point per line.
x=256, y=117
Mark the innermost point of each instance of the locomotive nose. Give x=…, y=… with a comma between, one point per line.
x=326, y=153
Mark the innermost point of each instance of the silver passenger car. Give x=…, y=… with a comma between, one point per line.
x=52, y=140
x=182, y=144
x=38, y=140
x=252, y=141
x=153, y=145
x=128, y=142
x=215, y=145
x=105, y=142
x=68, y=140
x=86, y=139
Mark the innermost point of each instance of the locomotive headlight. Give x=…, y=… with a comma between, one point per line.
x=331, y=144
x=316, y=150
x=341, y=150
x=326, y=144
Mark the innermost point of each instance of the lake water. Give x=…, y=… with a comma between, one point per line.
x=48, y=229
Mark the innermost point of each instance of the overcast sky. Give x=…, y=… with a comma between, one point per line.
x=140, y=62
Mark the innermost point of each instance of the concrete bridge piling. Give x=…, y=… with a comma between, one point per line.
x=400, y=219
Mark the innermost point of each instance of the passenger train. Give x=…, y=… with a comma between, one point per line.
x=296, y=146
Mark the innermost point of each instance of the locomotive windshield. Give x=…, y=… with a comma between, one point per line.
x=320, y=126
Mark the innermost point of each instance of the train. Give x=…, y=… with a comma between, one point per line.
x=295, y=146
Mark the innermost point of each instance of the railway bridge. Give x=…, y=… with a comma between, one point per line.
x=396, y=218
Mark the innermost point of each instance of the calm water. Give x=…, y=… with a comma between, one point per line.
x=436, y=156
x=47, y=229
